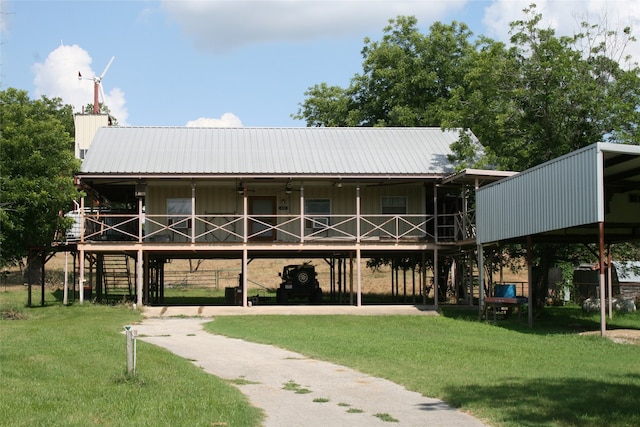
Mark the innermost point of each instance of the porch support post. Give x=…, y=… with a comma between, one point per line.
x=358, y=254
x=436, y=284
x=81, y=275
x=81, y=219
x=435, y=251
x=530, y=302
x=65, y=292
x=245, y=257
x=358, y=214
x=350, y=278
x=140, y=217
x=480, y=278
x=245, y=220
x=358, y=277
x=609, y=282
x=301, y=214
x=476, y=186
x=465, y=215
x=424, y=278
x=603, y=314
x=139, y=277
x=193, y=211
x=435, y=213
x=43, y=261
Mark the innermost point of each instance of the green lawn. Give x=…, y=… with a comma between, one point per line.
x=505, y=373
x=66, y=366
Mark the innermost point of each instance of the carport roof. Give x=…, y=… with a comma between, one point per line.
x=565, y=199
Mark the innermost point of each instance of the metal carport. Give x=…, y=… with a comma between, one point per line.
x=589, y=195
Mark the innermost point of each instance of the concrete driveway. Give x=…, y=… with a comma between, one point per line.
x=292, y=389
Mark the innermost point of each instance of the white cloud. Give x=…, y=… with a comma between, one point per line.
x=565, y=16
x=223, y=25
x=227, y=120
x=57, y=76
x=4, y=25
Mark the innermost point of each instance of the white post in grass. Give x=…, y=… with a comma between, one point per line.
x=131, y=336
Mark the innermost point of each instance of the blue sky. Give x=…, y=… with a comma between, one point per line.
x=229, y=63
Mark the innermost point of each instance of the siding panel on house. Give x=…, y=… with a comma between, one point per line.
x=562, y=193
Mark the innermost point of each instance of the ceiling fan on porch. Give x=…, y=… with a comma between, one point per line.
x=241, y=188
x=391, y=183
x=289, y=188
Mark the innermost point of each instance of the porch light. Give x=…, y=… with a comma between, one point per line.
x=141, y=189
x=288, y=188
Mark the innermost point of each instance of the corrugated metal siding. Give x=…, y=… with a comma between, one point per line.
x=397, y=151
x=562, y=193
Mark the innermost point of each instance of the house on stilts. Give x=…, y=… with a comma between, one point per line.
x=154, y=194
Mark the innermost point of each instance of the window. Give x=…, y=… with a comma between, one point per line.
x=393, y=205
x=317, y=208
x=178, y=211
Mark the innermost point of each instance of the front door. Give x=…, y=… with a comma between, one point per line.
x=262, y=210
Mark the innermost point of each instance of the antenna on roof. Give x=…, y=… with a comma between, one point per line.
x=97, y=86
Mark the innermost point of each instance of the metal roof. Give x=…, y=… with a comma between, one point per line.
x=269, y=151
x=563, y=199
x=476, y=176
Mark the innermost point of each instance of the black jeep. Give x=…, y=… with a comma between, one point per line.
x=299, y=281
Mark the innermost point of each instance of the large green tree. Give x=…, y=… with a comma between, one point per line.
x=535, y=99
x=543, y=97
x=407, y=79
x=529, y=101
x=546, y=95
x=37, y=166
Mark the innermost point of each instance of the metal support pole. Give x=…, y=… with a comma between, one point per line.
x=530, y=302
x=436, y=281
x=245, y=257
x=65, y=292
x=480, y=279
x=81, y=276
x=603, y=314
x=609, y=282
x=139, y=277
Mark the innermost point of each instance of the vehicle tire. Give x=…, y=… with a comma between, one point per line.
x=302, y=277
x=282, y=297
x=316, y=298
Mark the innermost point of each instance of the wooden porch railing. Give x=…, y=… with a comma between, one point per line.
x=219, y=228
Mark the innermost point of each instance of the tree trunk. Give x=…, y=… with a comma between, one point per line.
x=33, y=270
x=541, y=275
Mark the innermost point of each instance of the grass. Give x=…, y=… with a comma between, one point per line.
x=386, y=417
x=66, y=366
x=294, y=387
x=504, y=373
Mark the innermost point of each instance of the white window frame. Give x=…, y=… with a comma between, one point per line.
x=389, y=205
x=311, y=208
x=179, y=206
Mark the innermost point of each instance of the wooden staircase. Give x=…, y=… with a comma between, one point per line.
x=116, y=277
